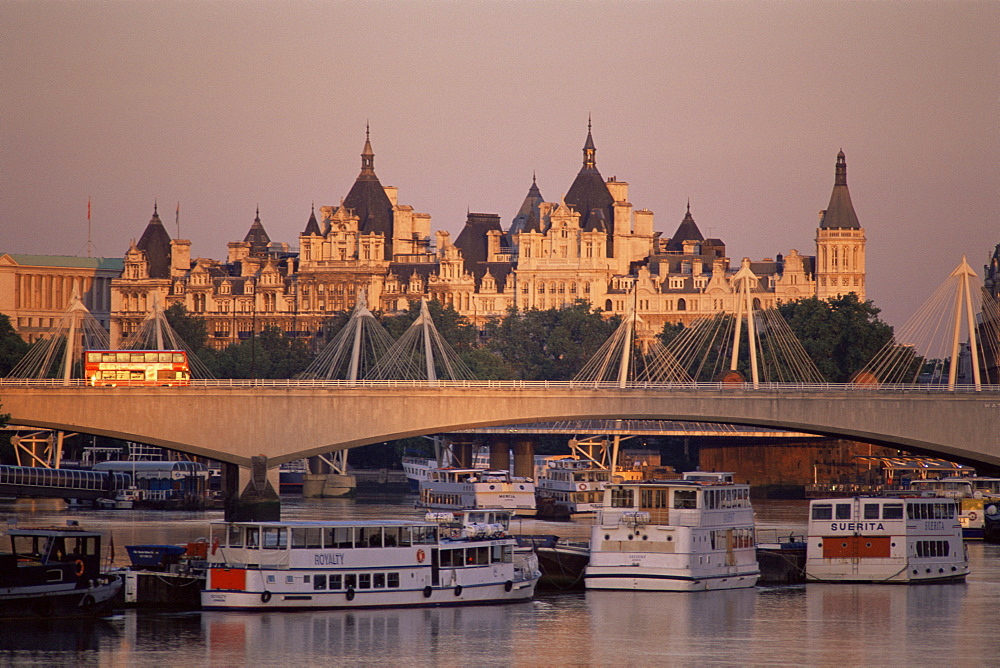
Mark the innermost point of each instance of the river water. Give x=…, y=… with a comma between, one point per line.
x=814, y=624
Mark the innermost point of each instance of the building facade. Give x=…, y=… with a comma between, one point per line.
x=592, y=244
x=36, y=290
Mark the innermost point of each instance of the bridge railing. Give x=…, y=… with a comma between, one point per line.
x=521, y=385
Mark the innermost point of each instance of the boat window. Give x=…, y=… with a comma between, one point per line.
x=275, y=538
x=622, y=498
x=424, y=535
x=477, y=556
x=822, y=511
x=393, y=580
x=477, y=518
x=378, y=580
x=404, y=537
x=452, y=558
x=319, y=580
x=54, y=575
x=391, y=536
x=364, y=581
x=497, y=555
x=306, y=538
x=685, y=498
x=933, y=548
x=234, y=536
x=350, y=580
x=653, y=498
x=843, y=511
x=253, y=538
x=369, y=536
x=335, y=581
x=871, y=511
x=892, y=511
x=508, y=554
x=340, y=537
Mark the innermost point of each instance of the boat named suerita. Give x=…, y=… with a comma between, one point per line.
x=885, y=539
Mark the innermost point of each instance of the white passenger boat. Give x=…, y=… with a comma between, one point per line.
x=677, y=535
x=885, y=539
x=973, y=494
x=458, y=489
x=572, y=487
x=416, y=468
x=447, y=559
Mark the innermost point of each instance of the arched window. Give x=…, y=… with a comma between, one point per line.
x=681, y=305
x=607, y=305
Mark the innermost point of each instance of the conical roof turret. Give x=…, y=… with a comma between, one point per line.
x=368, y=200
x=840, y=215
x=686, y=231
x=155, y=242
x=257, y=237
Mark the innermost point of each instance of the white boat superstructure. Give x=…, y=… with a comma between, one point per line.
x=416, y=468
x=973, y=494
x=885, y=539
x=573, y=486
x=465, y=489
x=447, y=559
x=675, y=535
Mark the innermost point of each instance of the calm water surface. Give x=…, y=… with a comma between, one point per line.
x=816, y=624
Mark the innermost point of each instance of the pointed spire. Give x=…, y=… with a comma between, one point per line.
x=589, y=150
x=368, y=155
x=840, y=212
x=312, y=226
x=257, y=237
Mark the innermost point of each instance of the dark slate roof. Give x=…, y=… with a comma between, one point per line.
x=369, y=202
x=840, y=214
x=257, y=237
x=404, y=270
x=155, y=242
x=686, y=231
x=527, y=219
x=472, y=240
x=589, y=195
x=500, y=272
x=312, y=227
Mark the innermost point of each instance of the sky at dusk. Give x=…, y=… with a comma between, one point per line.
x=740, y=107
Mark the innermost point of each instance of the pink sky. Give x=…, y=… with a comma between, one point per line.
x=739, y=106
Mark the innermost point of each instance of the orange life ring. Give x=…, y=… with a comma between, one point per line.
x=79, y=567
x=973, y=515
x=583, y=486
x=420, y=556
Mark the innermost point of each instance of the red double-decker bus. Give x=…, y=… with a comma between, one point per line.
x=137, y=367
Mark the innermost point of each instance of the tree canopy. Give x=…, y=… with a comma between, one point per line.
x=549, y=345
x=270, y=354
x=841, y=334
x=12, y=347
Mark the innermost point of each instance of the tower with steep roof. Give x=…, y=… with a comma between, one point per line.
x=840, y=242
x=369, y=201
x=527, y=219
x=257, y=238
x=155, y=243
x=590, y=197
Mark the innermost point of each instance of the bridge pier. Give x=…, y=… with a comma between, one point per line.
x=258, y=501
x=524, y=458
x=500, y=453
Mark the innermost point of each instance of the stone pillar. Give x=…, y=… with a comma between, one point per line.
x=258, y=502
x=524, y=458
x=500, y=453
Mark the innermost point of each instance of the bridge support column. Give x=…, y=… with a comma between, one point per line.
x=524, y=459
x=258, y=502
x=499, y=453
x=461, y=454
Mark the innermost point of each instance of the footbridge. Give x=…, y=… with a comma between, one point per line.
x=233, y=421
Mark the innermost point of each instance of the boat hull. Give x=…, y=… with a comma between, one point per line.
x=49, y=602
x=351, y=599
x=651, y=579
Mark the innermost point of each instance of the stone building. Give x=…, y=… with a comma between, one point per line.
x=592, y=244
x=35, y=290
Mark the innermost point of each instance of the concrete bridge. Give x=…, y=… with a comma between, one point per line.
x=233, y=421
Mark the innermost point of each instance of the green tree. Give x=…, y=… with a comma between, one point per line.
x=549, y=345
x=12, y=347
x=191, y=328
x=453, y=327
x=841, y=335
x=270, y=354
